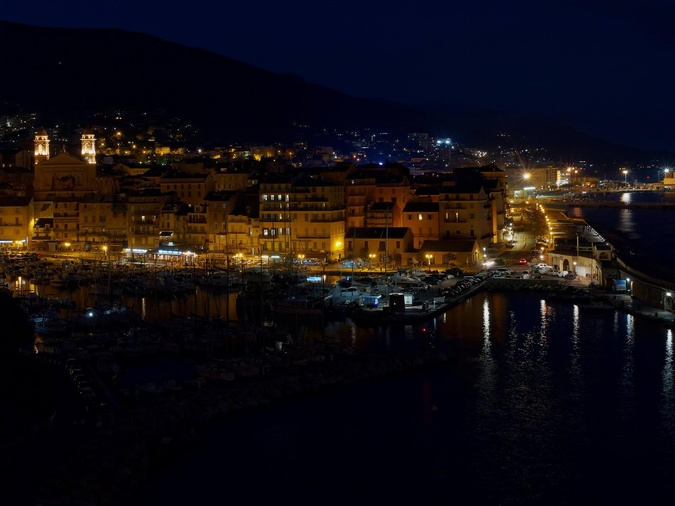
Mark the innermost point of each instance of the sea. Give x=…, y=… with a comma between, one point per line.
x=541, y=404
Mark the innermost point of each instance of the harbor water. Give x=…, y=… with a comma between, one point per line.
x=543, y=404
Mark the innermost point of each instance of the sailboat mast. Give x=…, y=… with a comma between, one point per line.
x=386, y=242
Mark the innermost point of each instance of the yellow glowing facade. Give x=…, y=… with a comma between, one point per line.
x=16, y=221
x=63, y=176
x=41, y=143
x=102, y=221
x=88, y=142
x=306, y=217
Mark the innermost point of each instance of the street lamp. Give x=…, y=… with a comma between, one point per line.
x=666, y=170
x=372, y=259
x=575, y=267
x=625, y=175
x=429, y=256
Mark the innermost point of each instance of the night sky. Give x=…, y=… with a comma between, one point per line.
x=603, y=66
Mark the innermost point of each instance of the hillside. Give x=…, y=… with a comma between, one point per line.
x=57, y=70
x=64, y=73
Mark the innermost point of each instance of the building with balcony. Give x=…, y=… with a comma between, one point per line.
x=395, y=189
x=66, y=220
x=231, y=229
x=189, y=188
x=383, y=214
x=317, y=218
x=231, y=179
x=16, y=221
x=103, y=222
x=359, y=192
x=302, y=216
x=422, y=218
x=144, y=210
x=275, y=216
x=465, y=212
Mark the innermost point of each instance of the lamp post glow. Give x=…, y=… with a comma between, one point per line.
x=429, y=257
x=625, y=175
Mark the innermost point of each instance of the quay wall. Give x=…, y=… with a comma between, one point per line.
x=652, y=275
x=607, y=203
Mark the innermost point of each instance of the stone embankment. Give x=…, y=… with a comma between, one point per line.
x=111, y=463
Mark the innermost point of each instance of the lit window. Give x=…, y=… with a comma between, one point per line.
x=419, y=216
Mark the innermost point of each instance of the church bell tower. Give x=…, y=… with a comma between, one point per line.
x=88, y=147
x=41, y=147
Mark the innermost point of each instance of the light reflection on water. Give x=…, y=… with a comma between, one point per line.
x=667, y=375
x=627, y=223
x=525, y=415
x=487, y=363
x=576, y=378
x=150, y=308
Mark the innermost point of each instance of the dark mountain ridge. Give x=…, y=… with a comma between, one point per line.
x=66, y=72
x=77, y=70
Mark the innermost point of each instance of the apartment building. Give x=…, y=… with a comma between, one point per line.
x=16, y=221
x=422, y=218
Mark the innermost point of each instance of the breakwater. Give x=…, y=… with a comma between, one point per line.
x=610, y=203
